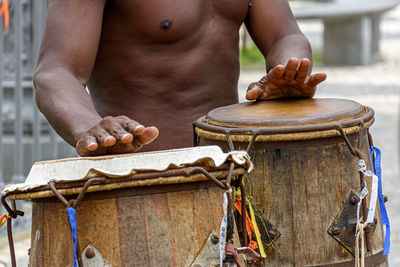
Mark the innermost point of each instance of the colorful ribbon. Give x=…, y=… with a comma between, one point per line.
x=5, y=10
x=72, y=221
x=249, y=223
x=3, y=220
x=256, y=230
x=384, y=216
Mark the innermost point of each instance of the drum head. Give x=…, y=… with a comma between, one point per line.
x=283, y=120
x=121, y=171
x=285, y=112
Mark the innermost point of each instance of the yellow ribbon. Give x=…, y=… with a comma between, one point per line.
x=256, y=230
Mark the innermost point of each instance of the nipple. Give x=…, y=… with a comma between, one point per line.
x=165, y=24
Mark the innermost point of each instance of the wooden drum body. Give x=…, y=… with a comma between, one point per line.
x=147, y=228
x=304, y=174
x=146, y=218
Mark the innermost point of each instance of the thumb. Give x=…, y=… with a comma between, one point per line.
x=254, y=91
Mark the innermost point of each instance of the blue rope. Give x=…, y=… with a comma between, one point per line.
x=384, y=216
x=72, y=221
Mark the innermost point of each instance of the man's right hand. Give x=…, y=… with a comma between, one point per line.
x=115, y=135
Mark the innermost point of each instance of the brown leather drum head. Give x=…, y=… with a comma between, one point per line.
x=285, y=112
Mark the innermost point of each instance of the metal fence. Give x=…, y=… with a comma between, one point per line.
x=25, y=135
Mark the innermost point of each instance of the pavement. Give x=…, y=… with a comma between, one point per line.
x=376, y=85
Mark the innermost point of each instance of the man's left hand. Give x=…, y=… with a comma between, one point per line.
x=291, y=81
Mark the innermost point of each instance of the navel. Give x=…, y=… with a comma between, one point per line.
x=166, y=24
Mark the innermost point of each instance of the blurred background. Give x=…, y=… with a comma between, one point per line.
x=356, y=42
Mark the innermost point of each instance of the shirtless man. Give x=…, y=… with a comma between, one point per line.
x=159, y=62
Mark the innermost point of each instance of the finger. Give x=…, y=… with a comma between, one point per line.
x=115, y=129
x=291, y=69
x=277, y=72
x=315, y=79
x=98, y=152
x=148, y=135
x=303, y=69
x=103, y=137
x=130, y=126
x=120, y=148
x=254, y=92
x=86, y=145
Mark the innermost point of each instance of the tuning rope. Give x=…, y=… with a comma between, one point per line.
x=360, y=260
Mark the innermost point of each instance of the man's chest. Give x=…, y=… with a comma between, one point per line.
x=171, y=20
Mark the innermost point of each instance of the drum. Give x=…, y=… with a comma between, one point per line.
x=144, y=209
x=306, y=180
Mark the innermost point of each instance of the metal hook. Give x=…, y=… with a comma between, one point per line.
x=191, y=170
x=58, y=195
x=252, y=140
x=85, y=188
x=230, y=142
x=229, y=177
x=13, y=212
x=353, y=151
x=360, y=138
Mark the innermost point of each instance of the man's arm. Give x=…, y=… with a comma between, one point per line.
x=275, y=32
x=66, y=59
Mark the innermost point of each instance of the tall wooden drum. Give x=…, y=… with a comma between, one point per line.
x=144, y=209
x=306, y=180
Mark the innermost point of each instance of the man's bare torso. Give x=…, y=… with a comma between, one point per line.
x=152, y=67
x=162, y=61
